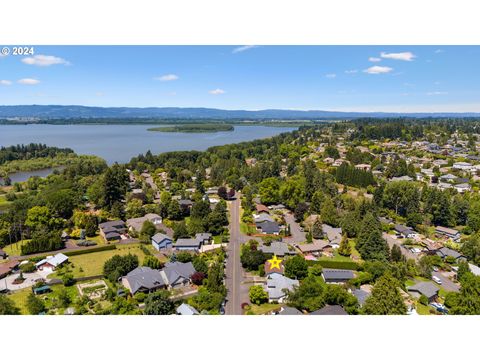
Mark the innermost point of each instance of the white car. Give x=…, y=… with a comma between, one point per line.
x=437, y=280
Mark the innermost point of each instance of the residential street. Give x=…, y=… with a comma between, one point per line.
x=447, y=284
x=234, y=272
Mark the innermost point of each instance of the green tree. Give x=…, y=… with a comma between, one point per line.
x=148, y=230
x=370, y=243
x=269, y=190
x=152, y=262
x=35, y=305
x=257, y=295
x=463, y=269
x=119, y=266
x=317, y=230
x=310, y=295
x=296, y=267
x=159, y=303
x=345, y=249
x=471, y=248
x=329, y=213
x=467, y=300
x=385, y=298
x=7, y=306
x=396, y=254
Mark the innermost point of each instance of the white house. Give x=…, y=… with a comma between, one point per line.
x=51, y=262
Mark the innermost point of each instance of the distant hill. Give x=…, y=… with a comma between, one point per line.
x=76, y=111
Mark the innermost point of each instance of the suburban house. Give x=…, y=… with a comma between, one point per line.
x=7, y=267
x=337, y=276
x=137, y=223
x=277, y=248
x=334, y=235
x=161, y=241
x=51, y=262
x=361, y=296
x=273, y=271
x=188, y=244
x=185, y=309
x=276, y=286
x=287, y=310
x=316, y=248
x=474, y=269
x=267, y=227
x=205, y=238
x=450, y=233
x=112, y=230
x=464, y=166
x=427, y=288
x=330, y=310
x=260, y=208
x=444, y=252
x=138, y=194
x=404, y=231
x=144, y=279
x=262, y=217
x=178, y=274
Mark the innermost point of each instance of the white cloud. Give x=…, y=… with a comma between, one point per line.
x=44, y=60
x=217, y=92
x=434, y=93
x=354, y=71
x=378, y=70
x=28, y=81
x=167, y=77
x=404, y=56
x=331, y=76
x=374, y=59
x=243, y=48
x=5, y=82
x=438, y=51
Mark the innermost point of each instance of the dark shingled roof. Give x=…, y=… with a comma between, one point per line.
x=330, y=310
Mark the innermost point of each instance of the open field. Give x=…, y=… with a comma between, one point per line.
x=92, y=263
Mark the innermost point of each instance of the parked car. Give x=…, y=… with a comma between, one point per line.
x=439, y=307
x=435, y=268
x=437, y=280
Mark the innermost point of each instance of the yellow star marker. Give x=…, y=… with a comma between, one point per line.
x=275, y=262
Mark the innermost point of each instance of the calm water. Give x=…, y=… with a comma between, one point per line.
x=122, y=142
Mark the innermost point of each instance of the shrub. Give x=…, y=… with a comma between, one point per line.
x=68, y=279
x=423, y=300
x=28, y=267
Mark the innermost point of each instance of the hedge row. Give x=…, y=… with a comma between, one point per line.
x=91, y=250
x=333, y=264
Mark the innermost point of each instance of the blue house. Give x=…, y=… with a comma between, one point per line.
x=161, y=242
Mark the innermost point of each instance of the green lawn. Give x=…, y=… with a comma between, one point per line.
x=14, y=249
x=92, y=264
x=336, y=257
x=263, y=309
x=20, y=299
x=423, y=309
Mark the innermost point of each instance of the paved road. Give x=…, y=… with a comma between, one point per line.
x=447, y=284
x=237, y=291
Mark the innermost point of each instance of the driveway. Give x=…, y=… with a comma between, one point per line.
x=30, y=279
x=298, y=236
x=447, y=284
x=392, y=240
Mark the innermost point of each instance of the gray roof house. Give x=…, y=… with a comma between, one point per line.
x=161, y=241
x=444, y=252
x=144, y=279
x=277, y=248
x=277, y=284
x=334, y=235
x=112, y=230
x=361, y=296
x=429, y=289
x=137, y=223
x=267, y=227
x=178, y=274
x=330, y=310
x=404, y=230
x=287, y=310
x=337, y=275
x=188, y=244
x=185, y=309
x=263, y=217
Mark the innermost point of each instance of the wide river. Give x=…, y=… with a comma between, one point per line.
x=119, y=143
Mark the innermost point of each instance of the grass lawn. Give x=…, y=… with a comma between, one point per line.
x=263, y=309
x=20, y=299
x=336, y=257
x=354, y=250
x=92, y=264
x=14, y=249
x=51, y=297
x=247, y=229
x=423, y=309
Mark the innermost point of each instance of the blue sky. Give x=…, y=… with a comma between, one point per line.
x=362, y=78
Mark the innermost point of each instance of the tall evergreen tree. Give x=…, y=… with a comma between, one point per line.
x=385, y=298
